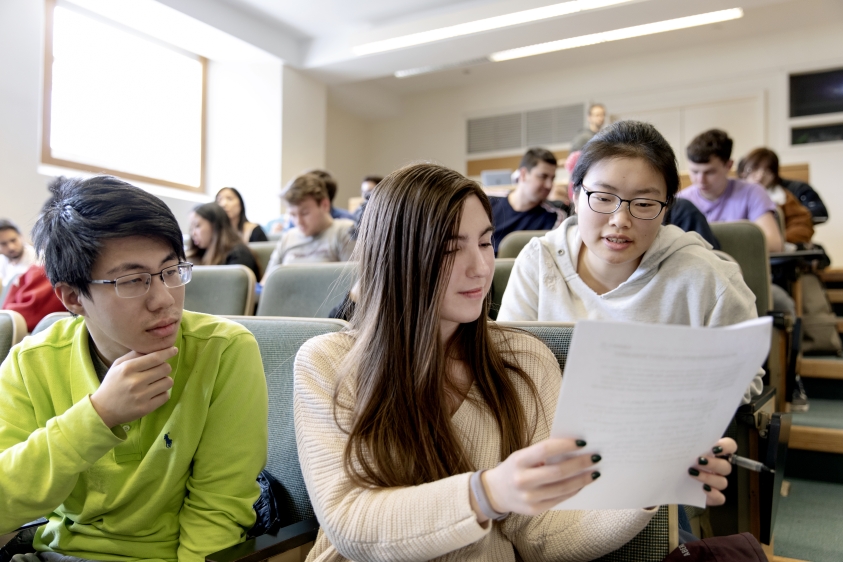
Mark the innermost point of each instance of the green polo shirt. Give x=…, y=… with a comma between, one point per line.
x=176, y=484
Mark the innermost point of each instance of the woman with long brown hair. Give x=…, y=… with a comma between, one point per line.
x=232, y=203
x=424, y=421
x=213, y=241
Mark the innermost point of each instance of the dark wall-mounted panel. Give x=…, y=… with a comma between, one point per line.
x=816, y=93
x=817, y=133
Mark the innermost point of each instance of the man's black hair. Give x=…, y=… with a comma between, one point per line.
x=82, y=213
x=6, y=224
x=710, y=143
x=533, y=156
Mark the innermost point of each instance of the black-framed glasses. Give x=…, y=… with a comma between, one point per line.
x=137, y=284
x=609, y=203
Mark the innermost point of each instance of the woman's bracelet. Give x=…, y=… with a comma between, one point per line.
x=482, y=499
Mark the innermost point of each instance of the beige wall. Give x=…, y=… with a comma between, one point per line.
x=22, y=188
x=348, y=157
x=304, y=103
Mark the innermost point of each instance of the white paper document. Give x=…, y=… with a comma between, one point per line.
x=651, y=399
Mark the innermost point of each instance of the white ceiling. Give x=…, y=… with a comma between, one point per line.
x=318, y=36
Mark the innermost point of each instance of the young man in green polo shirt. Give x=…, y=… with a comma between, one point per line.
x=136, y=428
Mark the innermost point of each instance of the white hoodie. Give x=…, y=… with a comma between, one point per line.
x=679, y=281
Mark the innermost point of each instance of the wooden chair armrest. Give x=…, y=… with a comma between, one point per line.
x=266, y=546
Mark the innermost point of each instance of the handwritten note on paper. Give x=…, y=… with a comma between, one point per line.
x=650, y=399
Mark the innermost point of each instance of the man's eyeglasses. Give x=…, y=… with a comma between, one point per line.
x=137, y=284
x=609, y=203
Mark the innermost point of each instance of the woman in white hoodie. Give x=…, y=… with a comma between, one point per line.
x=614, y=260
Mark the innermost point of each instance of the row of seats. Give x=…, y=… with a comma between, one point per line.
x=279, y=339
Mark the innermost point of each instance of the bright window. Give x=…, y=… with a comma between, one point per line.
x=122, y=103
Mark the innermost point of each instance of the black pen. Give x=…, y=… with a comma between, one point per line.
x=748, y=464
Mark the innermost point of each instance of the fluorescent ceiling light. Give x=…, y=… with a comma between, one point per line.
x=617, y=34
x=497, y=22
x=439, y=67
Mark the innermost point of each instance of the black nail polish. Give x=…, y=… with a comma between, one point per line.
x=580, y=443
x=706, y=487
x=702, y=461
x=595, y=475
x=693, y=472
x=717, y=450
x=596, y=458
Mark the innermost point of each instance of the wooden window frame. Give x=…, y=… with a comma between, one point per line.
x=46, y=150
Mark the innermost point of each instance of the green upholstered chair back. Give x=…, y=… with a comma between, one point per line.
x=744, y=241
x=661, y=535
x=49, y=320
x=279, y=339
x=306, y=290
x=514, y=242
x=221, y=290
x=262, y=251
x=12, y=330
x=503, y=268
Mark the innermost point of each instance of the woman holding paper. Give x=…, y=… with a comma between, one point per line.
x=614, y=260
x=424, y=421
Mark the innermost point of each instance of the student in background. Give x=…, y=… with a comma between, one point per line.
x=366, y=187
x=136, y=428
x=15, y=254
x=596, y=119
x=761, y=166
x=685, y=215
x=232, y=203
x=425, y=421
x=723, y=199
x=317, y=236
x=526, y=207
x=614, y=260
x=808, y=197
x=331, y=186
x=285, y=223
x=32, y=295
x=213, y=241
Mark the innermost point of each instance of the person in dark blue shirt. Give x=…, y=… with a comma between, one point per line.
x=685, y=215
x=526, y=207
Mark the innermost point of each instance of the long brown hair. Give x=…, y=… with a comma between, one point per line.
x=223, y=237
x=401, y=433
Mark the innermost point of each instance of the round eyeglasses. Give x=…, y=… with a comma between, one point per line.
x=609, y=203
x=137, y=284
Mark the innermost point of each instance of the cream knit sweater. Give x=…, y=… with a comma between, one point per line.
x=435, y=520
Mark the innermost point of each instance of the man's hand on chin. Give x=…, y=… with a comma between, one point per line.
x=134, y=386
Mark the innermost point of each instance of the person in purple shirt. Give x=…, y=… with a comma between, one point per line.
x=724, y=199
x=526, y=207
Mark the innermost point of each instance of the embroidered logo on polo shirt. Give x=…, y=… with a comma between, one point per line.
x=167, y=441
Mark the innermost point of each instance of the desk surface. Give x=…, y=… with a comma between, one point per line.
x=797, y=254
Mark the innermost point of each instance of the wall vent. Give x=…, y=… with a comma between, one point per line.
x=500, y=132
x=555, y=125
